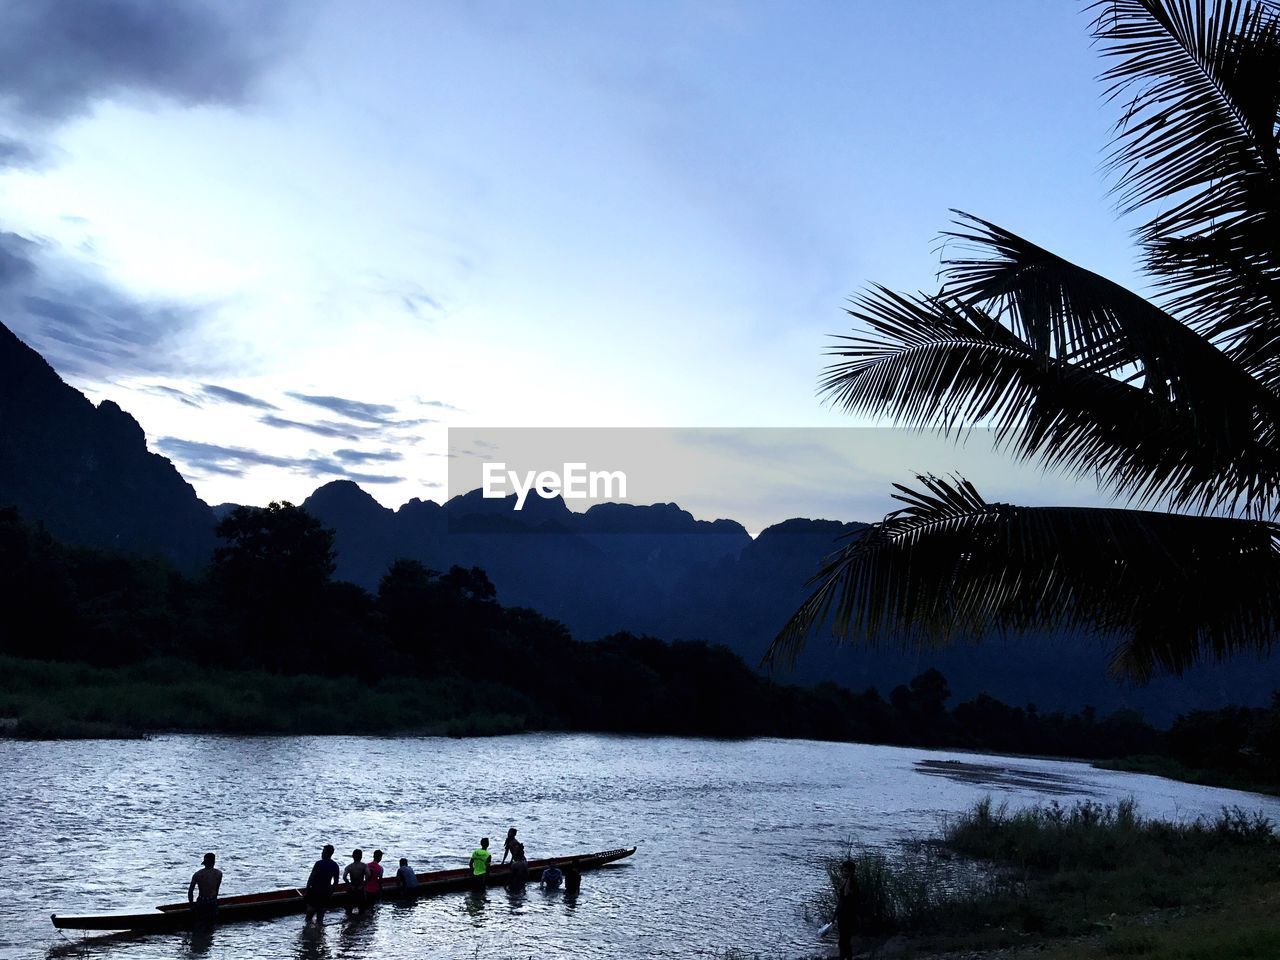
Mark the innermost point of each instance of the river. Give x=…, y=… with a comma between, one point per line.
x=729, y=834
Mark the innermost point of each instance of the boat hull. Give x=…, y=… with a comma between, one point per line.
x=278, y=903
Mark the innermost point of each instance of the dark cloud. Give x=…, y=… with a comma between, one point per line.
x=227, y=395
x=235, y=461
x=368, y=456
x=325, y=428
x=83, y=324
x=355, y=409
x=159, y=389
x=59, y=57
x=439, y=404
x=19, y=154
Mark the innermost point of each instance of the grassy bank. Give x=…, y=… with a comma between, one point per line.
x=1060, y=881
x=42, y=700
x=1174, y=770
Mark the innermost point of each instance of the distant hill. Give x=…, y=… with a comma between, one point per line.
x=655, y=569
x=85, y=473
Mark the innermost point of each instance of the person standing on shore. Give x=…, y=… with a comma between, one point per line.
x=355, y=874
x=480, y=859
x=324, y=877
x=207, y=880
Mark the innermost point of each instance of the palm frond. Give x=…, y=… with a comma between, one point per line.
x=1202, y=84
x=947, y=364
x=1198, y=142
x=1168, y=589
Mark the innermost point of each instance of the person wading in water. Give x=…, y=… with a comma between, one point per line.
x=324, y=877
x=355, y=874
x=480, y=859
x=207, y=880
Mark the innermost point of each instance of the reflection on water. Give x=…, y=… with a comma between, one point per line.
x=729, y=835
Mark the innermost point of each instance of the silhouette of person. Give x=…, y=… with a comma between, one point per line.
x=508, y=847
x=480, y=860
x=355, y=874
x=208, y=879
x=320, y=884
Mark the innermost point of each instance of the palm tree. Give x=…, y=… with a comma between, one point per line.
x=1173, y=403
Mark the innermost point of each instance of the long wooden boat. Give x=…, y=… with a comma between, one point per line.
x=277, y=903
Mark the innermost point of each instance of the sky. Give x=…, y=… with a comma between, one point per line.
x=300, y=242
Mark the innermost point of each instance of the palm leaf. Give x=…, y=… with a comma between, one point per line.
x=942, y=363
x=1167, y=589
x=1198, y=140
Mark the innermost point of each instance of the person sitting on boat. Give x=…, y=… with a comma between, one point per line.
x=572, y=878
x=509, y=847
x=324, y=877
x=373, y=885
x=408, y=879
x=355, y=874
x=551, y=878
x=207, y=880
x=480, y=859
x=519, y=866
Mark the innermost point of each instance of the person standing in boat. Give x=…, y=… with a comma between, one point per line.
x=324, y=877
x=355, y=874
x=480, y=860
x=207, y=880
x=509, y=846
x=373, y=885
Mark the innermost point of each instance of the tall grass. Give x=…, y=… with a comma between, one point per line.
x=997, y=874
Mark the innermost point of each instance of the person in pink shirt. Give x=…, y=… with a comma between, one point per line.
x=373, y=881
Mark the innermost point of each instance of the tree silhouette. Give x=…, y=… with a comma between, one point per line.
x=273, y=574
x=1172, y=404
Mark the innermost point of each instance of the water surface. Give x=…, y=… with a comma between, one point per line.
x=729, y=834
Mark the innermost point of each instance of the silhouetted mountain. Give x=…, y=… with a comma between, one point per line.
x=85, y=473
x=655, y=569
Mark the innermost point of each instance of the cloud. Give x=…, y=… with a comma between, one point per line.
x=235, y=461
x=368, y=456
x=82, y=323
x=325, y=428
x=227, y=395
x=60, y=57
x=388, y=432
x=174, y=393
x=355, y=409
x=19, y=154
x=439, y=404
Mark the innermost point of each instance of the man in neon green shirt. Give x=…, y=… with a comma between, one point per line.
x=480, y=864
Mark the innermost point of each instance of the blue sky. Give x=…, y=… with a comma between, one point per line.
x=300, y=245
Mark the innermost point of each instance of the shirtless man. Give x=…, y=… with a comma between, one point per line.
x=355, y=874
x=207, y=880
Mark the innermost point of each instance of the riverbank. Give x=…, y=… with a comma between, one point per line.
x=41, y=700
x=1172, y=769
x=1084, y=881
